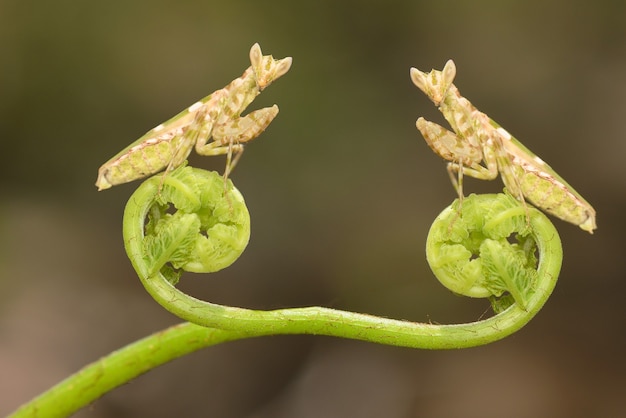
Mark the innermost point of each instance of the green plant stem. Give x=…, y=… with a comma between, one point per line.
x=121, y=366
x=324, y=321
x=211, y=324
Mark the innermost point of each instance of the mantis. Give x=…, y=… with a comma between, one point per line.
x=213, y=125
x=482, y=149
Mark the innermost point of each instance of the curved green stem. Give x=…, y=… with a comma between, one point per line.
x=121, y=366
x=469, y=251
x=319, y=320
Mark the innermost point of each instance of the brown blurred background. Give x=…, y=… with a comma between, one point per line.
x=342, y=190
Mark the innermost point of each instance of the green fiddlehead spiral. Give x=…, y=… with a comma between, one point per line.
x=472, y=255
x=469, y=251
x=207, y=232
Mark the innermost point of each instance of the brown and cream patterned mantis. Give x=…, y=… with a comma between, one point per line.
x=481, y=148
x=213, y=125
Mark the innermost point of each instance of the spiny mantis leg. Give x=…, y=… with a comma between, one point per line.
x=229, y=136
x=464, y=157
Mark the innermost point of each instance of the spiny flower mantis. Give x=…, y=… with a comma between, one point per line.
x=478, y=139
x=215, y=117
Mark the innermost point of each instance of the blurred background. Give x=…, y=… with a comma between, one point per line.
x=341, y=188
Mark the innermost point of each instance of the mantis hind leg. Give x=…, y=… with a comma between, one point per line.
x=513, y=184
x=197, y=131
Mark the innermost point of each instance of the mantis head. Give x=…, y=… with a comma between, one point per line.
x=436, y=83
x=266, y=68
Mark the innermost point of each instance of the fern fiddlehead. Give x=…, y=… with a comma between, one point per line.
x=469, y=252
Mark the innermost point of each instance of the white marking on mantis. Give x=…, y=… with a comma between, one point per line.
x=481, y=148
x=195, y=106
x=213, y=125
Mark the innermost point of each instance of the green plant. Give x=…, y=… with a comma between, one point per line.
x=192, y=220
